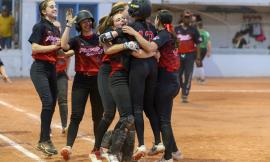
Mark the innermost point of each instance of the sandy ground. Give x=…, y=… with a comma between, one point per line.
x=226, y=120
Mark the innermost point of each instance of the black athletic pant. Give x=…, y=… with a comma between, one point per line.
x=203, y=53
x=121, y=95
x=43, y=76
x=186, y=71
x=107, y=101
x=167, y=89
x=83, y=86
x=62, y=91
x=142, y=83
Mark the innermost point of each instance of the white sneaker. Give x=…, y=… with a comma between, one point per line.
x=177, y=155
x=66, y=152
x=156, y=149
x=139, y=153
x=113, y=158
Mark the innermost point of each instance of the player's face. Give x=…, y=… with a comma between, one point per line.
x=119, y=21
x=86, y=25
x=51, y=10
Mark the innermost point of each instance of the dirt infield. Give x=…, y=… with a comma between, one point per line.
x=226, y=120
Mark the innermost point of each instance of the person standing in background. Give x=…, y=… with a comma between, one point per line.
x=62, y=64
x=188, y=50
x=6, y=28
x=205, y=49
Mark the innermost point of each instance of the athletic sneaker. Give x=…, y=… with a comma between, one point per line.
x=47, y=147
x=113, y=158
x=177, y=155
x=95, y=155
x=139, y=153
x=156, y=149
x=66, y=152
x=184, y=99
x=163, y=160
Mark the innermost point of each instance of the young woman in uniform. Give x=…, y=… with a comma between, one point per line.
x=45, y=41
x=88, y=56
x=168, y=80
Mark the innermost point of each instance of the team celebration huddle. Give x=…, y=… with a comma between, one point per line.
x=124, y=64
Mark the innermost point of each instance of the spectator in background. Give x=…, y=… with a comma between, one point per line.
x=6, y=28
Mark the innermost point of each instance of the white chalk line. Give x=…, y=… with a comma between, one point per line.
x=35, y=117
x=20, y=148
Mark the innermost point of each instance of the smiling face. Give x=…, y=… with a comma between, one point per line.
x=49, y=9
x=119, y=21
x=86, y=25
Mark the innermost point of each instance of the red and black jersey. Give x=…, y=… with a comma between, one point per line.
x=147, y=30
x=88, y=53
x=188, y=39
x=61, y=63
x=169, y=58
x=120, y=61
x=45, y=33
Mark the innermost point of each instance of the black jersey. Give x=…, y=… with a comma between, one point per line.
x=88, y=53
x=169, y=58
x=188, y=39
x=45, y=33
x=147, y=30
x=121, y=60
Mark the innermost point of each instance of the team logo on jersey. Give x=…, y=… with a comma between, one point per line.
x=91, y=51
x=51, y=38
x=184, y=37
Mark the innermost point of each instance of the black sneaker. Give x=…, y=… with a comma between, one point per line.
x=47, y=147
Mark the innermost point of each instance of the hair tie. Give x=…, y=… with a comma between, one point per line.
x=169, y=27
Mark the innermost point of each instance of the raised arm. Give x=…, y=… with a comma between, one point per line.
x=65, y=37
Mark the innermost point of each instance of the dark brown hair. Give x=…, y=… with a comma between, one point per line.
x=118, y=7
x=42, y=6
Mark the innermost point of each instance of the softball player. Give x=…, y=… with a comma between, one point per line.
x=88, y=56
x=205, y=49
x=103, y=85
x=143, y=74
x=45, y=40
x=168, y=81
x=189, y=51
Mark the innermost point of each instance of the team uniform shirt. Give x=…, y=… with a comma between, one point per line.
x=147, y=30
x=169, y=58
x=45, y=34
x=61, y=63
x=205, y=36
x=88, y=54
x=120, y=61
x=188, y=39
